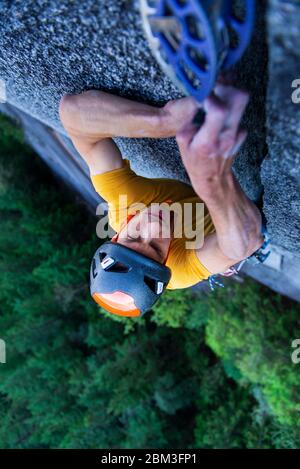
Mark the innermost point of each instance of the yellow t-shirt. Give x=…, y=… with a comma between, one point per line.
x=185, y=266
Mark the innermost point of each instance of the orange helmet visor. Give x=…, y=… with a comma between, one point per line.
x=117, y=303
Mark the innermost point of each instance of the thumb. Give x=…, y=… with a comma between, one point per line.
x=186, y=134
x=241, y=137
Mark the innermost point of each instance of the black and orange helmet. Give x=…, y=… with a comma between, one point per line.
x=126, y=282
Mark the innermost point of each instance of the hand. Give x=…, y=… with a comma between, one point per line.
x=177, y=111
x=208, y=153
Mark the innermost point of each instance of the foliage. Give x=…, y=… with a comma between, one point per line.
x=251, y=329
x=254, y=332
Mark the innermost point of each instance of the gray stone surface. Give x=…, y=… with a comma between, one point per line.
x=281, y=168
x=52, y=47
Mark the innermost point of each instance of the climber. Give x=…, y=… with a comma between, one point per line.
x=130, y=272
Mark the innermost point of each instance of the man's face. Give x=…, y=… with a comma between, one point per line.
x=149, y=232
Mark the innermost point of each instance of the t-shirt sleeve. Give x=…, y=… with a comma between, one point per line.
x=124, y=191
x=186, y=268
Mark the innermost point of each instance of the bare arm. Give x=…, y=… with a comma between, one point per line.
x=208, y=155
x=236, y=219
x=92, y=118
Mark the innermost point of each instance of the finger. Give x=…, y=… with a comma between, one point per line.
x=231, y=154
x=228, y=93
x=229, y=133
x=186, y=135
x=190, y=104
x=216, y=115
x=240, y=140
x=236, y=101
x=237, y=110
x=229, y=138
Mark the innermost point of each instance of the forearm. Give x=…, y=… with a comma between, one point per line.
x=236, y=219
x=116, y=116
x=96, y=114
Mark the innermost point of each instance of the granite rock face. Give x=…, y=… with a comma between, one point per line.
x=52, y=47
x=281, y=168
